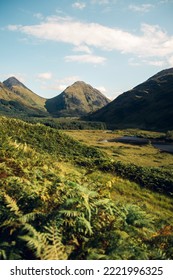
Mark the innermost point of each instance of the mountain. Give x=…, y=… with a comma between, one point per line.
x=17, y=100
x=76, y=100
x=147, y=106
x=12, y=82
x=25, y=95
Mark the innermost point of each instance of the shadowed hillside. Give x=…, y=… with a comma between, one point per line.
x=148, y=105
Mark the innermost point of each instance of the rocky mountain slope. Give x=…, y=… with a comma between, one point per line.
x=148, y=105
x=76, y=100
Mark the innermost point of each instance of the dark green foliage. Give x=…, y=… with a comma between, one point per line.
x=152, y=178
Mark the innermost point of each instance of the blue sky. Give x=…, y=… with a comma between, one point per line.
x=111, y=44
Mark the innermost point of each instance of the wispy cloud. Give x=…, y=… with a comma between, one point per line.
x=85, y=58
x=82, y=48
x=152, y=41
x=61, y=84
x=38, y=16
x=79, y=5
x=14, y=27
x=166, y=1
x=102, y=89
x=45, y=76
x=100, y=2
x=141, y=8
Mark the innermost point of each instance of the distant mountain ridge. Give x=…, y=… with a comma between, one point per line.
x=75, y=101
x=147, y=106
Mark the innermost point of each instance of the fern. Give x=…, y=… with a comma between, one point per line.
x=11, y=203
x=55, y=250
x=85, y=225
x=47, y=245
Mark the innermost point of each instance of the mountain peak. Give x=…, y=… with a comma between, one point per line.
x=76, y=100
x=12, y=81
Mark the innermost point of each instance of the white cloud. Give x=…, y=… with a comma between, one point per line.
x=14, y=27
x=141, y=8
x=86, y=58
x=82, y=48
x=79, y=5
x=101, y=89
x=100, y=2
x=158, y=63
x=165, y=1
x=152, y=42
x=58, y=87
x=45, y=76
x=38, y=16
x=61, y=84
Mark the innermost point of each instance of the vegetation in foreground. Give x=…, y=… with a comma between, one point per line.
x=62, y=199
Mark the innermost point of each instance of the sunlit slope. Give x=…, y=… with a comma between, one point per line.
x=76, y=100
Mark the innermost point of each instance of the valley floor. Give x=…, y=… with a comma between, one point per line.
x=142, y=155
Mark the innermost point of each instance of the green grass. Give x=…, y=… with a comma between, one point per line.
x=52, y=187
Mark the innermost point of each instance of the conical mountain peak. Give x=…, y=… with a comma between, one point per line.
x=76, y=100
x=12, y=81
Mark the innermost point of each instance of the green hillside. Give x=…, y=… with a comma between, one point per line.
x=76, y=100
x=147, y=106
x=21, y=93
x=61, y=199
x=16, y=100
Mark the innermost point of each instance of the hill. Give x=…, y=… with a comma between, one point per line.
x=76, y=100
x=147, y=106
x=17, y=100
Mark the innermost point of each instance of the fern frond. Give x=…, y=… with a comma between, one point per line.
x=36, y=241
x=85, y=225
x=47, y=245
x=55, y=250
x=27, y=218
x=11, y=203
x=70, y=213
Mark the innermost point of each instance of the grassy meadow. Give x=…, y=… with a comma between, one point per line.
x=71, y=195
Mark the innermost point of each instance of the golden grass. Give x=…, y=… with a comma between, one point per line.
x=142, y=155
